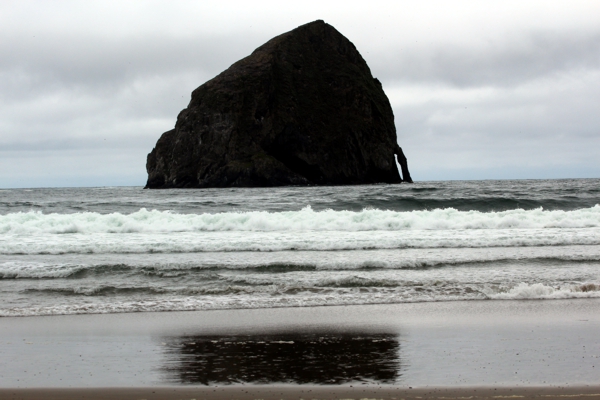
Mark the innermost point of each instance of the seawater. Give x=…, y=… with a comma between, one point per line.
x=125, y=249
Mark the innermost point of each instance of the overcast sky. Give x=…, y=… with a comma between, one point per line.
x=480, y=89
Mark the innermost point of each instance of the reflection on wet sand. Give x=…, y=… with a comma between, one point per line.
x=285, y=358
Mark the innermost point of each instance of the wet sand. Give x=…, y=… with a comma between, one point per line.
x=379, y=350
x=304, y=392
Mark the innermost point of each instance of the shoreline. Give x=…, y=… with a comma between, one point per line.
x=280, y=392
x=412, y=309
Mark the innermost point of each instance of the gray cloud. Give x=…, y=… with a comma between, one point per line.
x=507, y=61
x=35, y=65
x=86, y=90
x=544, y=128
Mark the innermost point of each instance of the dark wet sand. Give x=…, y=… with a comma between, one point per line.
x=304, y=392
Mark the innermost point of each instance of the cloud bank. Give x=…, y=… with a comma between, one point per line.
x=479, y=90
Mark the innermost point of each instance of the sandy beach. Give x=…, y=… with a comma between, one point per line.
x=526, y=346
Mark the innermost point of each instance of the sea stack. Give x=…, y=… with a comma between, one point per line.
x=302, y=109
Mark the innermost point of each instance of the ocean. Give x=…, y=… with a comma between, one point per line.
x=126, y=249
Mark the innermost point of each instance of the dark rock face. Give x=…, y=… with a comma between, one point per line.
x=302, y=109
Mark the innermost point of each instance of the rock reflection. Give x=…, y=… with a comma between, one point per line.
x=284, y=358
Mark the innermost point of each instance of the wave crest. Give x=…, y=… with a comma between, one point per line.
x=144, y=221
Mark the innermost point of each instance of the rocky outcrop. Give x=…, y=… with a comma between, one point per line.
x=302, y=109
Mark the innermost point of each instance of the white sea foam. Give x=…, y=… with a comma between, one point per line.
x=541, y=291
x=66, y=265
x=29, y=269
x=268, y=299
x=169, y=282
x=196, y=242
x=144, y=221
x=165, y=232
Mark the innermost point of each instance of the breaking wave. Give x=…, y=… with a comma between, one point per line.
x=246, y=298
x=362, y=261
x=526, y=291
x=144, y=221
x=202, y=242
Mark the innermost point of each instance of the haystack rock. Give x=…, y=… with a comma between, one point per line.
x=302, y=109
